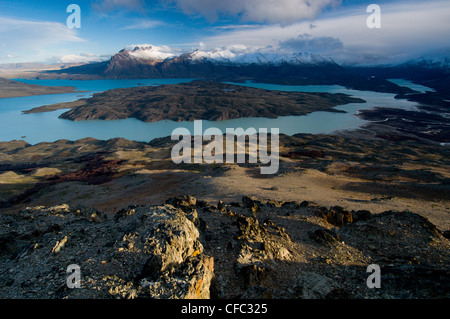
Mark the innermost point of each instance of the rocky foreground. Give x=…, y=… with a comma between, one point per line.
x=188, y=248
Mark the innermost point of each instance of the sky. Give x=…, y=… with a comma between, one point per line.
x=37, y=31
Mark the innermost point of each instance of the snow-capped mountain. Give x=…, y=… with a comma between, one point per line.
x=161, y=61
x=227, y=64
x=154, y=54
x=301, y=58
x=226, y=56
x=149, y=61
x=144, y=52
x=430, y=62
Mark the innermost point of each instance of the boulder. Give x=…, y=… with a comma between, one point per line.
x=182, y=201
x=143, y=252
x=336, y=216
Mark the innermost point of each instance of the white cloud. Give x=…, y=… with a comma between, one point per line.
x=407, y=31
x=269, y=11
x=111, y=5
x=305, y=42
x=74, y=58
x=218, y=55
x=33, y=38
x=24, y=31
x=237, y=26
x=143, y=24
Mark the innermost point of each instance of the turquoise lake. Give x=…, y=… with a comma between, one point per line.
x=47, y=127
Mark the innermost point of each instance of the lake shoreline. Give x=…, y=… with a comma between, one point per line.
x=11, y=89
x=197, y=100
x=16, y=125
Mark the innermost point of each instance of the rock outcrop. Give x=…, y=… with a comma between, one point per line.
x=142, y=252
x=189, y=248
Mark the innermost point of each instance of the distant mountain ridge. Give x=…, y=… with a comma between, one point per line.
x=160, y=62
x=148, y=54
x=238, y=65
x=429, y=62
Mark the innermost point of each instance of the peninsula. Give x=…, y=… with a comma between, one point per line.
x=10, y=88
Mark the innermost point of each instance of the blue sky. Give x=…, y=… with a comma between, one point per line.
x=36, y=31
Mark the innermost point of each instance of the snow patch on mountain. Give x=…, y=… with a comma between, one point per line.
x=227, y=55
x=146, y=51
x=274, y=58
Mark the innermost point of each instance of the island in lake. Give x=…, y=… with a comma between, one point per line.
x=206, y=100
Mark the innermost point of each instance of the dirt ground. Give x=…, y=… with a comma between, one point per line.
x=350, y=173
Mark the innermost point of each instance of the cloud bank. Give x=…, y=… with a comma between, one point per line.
x=268, y=11
x=143, y=24
x=305, y=42
x=409, y=30
x=111, y=5
x=32, y=37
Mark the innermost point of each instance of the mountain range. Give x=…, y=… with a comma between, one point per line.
x=226, y=65
x=150, y=61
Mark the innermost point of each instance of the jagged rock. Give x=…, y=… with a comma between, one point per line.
x=182, y=201
x=249, y=227
x=158, y=252
x=336, y=216
x=395, y=235
x=279, y=230
x=157, y=244
x=59, y=245
x=274, y=250
x=130, y=210
x=392, y=223
x=325, y=236
x=190, y=281
x=249, y=254
x=251, y=203
x=175, y=260
x=192, y=215
x=255, y=275
x=188, y=204
x=221, y=205
x=167, y=238
x=273, y=203
x=310, y=285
